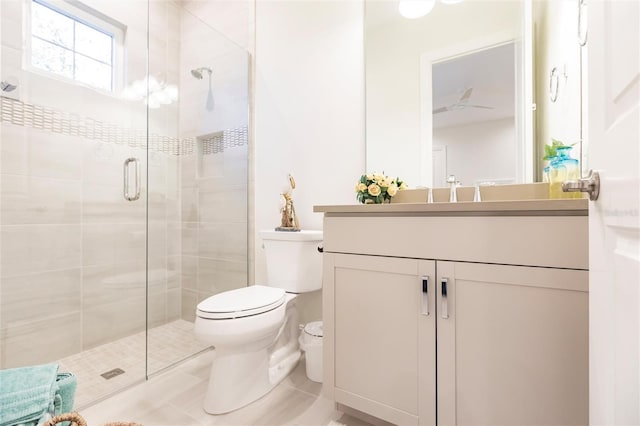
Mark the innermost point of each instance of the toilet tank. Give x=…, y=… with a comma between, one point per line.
x=293, y=261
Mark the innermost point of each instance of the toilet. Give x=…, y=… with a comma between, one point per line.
x=255, y=329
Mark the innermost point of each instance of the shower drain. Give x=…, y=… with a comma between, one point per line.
x=112, y=373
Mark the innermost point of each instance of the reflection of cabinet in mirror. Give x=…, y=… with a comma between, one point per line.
x=509, y=314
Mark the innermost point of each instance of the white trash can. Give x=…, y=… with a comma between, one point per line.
x=311, y=342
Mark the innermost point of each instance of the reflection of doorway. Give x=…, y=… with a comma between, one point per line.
x=474, y=111
x=472, y=101
x=439, y=166
x=475, y=87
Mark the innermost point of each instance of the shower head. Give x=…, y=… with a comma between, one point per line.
x=197, y=73
x=8, y=87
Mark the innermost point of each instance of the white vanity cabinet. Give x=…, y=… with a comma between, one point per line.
x=379, y=354
x=512, y=345
x=426, y=322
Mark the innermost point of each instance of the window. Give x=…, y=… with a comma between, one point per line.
x=67, y=45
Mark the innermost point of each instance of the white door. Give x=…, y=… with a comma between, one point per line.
x=614, y=219
x=439, y=166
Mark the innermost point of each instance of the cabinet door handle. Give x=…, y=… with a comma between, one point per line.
x=425, y=295
x=445, y=307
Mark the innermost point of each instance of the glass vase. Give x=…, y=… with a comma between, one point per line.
x=563, y=168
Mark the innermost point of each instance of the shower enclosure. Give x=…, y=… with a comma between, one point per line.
x=123, y=183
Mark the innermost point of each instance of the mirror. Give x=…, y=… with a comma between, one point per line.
x=474, y=128
x=560, y=80
x=452, y=92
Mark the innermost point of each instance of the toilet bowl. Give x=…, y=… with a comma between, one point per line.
x=255, y=329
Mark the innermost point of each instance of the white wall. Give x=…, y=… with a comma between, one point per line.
x=309, y=110
x=480, y=151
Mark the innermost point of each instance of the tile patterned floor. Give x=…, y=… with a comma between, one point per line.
x=174, y=398
x=168, y=344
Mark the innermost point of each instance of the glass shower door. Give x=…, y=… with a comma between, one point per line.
x=123, y=183
x=73, y=212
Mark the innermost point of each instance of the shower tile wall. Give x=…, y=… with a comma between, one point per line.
x=214, y=164
x=72, y=250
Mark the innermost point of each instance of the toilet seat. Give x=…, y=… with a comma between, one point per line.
x=242, y=302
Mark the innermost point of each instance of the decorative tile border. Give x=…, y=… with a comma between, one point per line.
x=52, y=120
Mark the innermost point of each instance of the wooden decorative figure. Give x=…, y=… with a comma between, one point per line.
x=289, y=221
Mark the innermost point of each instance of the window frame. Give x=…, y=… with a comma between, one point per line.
x=93, y=19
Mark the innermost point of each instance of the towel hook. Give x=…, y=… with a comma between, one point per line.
x=554, y=84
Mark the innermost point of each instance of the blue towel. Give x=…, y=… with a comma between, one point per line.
x=66, y=392
x=65, y=395
x=27, y=394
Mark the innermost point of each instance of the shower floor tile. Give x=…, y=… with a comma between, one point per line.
x=168, y=344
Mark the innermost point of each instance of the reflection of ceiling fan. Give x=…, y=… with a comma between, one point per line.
x=461, y=104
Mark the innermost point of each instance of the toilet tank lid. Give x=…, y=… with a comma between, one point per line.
x=302, y=235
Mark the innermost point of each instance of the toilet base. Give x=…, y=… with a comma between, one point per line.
x=239, y=377
x=237, y=380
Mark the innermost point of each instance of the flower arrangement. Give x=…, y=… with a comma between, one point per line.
x=377, y=188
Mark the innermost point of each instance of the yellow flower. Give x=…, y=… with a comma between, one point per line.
x=379, y=177
x=393, y=189
x=369, y=177
x=403, y=186
x=361, y=187
x=374, y=190
x=385, y=183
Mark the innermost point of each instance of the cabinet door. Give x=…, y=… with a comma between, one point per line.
x=512, y=345
x=374, y=324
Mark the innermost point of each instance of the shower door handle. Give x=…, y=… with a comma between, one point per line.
x=127, y=169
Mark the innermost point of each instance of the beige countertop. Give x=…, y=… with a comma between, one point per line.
x=545, y=207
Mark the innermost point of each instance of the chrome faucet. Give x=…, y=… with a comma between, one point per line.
x=476, y=195
x=453, y=194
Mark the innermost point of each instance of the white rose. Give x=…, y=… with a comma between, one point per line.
x=393, y=189
x=403, y=186
x=361, y=187
x=374, y=190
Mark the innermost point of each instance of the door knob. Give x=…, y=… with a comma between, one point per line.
x=590, y=184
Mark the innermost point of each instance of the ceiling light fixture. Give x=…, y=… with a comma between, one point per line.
x=413, y=9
